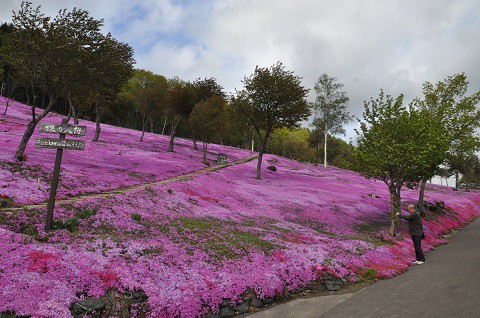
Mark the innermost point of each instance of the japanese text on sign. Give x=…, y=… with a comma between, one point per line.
x=62, y=129
x=60, y=143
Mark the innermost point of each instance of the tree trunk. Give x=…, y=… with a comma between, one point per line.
x=263, y=144
x=72, y=112
x=325, y=149
x=325, y=152
x=75, y=117
x=97, y=122
x=170, y=145
x=395, y=204
x=204, y=152
x=5, y=98
x=31, y=128
x=421, y=194
x=456, y=180
x=144, y=125
x=164, y=124
x=7, y=102
x=26, y=137
x=172, y=134
x=151, y=124
x=259, y=164
x=195, y=147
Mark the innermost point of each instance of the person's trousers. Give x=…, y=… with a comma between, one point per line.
x=417, y=244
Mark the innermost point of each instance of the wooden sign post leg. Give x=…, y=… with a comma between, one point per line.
x=53, y=189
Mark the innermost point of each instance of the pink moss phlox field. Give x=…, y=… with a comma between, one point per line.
x=118, y=159
x=192, y=245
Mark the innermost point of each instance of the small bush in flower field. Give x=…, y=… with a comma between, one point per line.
x=136, y=217
x=195, y=245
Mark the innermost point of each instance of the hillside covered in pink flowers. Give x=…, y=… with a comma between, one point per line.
x=218, y=239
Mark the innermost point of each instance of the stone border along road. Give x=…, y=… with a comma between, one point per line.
x=134, y=187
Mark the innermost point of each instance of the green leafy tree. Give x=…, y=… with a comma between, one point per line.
x=181, y=101
x=449, y=107
x=240, y=133
x=112, y=62
x=148, y=93
x=395, y=146
x=54, y=56
x=291, y=143
x=209, y=121
x=40, y=54
x=272, y=97
x=5, y=30
x=470, y=169
x=204, y=89
x=330, y=108
x=8, y=88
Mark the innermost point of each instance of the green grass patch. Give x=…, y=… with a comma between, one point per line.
x=151, y=191
x=223, y=238
x=136, y=217
x=72, y=224
x=369, y=239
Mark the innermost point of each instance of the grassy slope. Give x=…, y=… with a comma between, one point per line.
x=192, y=244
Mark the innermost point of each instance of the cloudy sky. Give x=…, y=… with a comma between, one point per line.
x=394, y=45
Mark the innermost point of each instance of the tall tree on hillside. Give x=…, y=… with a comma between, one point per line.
x=203, y=90
x=209, y=121
x=8, y=88
x=395, y=145
x=40, y=53
x=49, y=56
x=148, y=92
x=272, y=97
x=180, y=103
x=469, y=167
x=113, y=64
x=5, y=30
x=448, y=106
x=330, y=108
x=83, y=34
x=459, y=159
x=240, y=133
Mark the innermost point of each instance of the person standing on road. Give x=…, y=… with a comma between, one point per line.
x=415, y=229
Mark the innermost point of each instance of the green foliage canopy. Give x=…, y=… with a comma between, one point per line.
x=395, y=145
x=272, y=97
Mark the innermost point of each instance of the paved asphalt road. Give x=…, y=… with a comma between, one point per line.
x=447, y=286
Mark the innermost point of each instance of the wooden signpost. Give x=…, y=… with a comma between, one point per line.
x=59, y=144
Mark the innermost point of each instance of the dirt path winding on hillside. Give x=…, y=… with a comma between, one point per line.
x=134, y=187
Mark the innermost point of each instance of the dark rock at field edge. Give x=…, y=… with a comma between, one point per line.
x=242, y=308
x=87, y=306
x=267, y=300
x=333, y=285
x=226, y=312
x=256, y=303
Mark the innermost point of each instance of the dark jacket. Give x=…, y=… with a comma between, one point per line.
x=414, y=223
